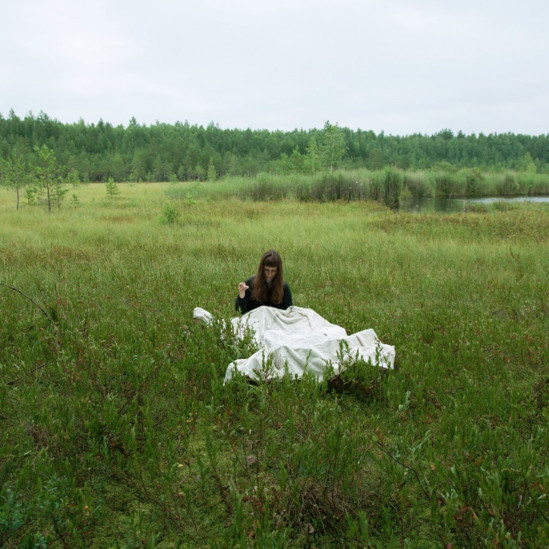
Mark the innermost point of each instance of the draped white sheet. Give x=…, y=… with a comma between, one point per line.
x=298, y=340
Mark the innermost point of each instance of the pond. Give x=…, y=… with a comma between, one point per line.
x=451, y=205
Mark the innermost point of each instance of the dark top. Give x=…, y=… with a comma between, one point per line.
x=248, y=303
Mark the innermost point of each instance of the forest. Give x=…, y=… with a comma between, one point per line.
x=97, y=152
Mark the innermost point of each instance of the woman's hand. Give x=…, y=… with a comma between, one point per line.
x=242, y=287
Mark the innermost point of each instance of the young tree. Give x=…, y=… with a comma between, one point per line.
x=332, y=147
x=15, y=174
x=527, y=163
x=199, y=173
x=73, y=178
x=111, y=186
x=48, y=178
x=296, y=161
x=312, y=160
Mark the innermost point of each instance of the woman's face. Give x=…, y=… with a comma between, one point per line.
x=269, y=272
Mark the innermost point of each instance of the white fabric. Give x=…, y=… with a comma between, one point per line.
x=298, y=340
x=203, y=315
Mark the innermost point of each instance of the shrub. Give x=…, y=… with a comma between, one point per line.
x=111, y=186
x=170, y=214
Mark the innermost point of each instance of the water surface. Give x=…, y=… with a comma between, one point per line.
x=451, y=205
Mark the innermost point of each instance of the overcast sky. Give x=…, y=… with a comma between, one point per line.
x=397, y=66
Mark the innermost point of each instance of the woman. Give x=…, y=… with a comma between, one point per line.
x=267, y=287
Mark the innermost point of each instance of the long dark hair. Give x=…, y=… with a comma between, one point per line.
x=262, y=291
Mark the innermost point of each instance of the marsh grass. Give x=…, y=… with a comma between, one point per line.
x=387, y=186
x=117, y=430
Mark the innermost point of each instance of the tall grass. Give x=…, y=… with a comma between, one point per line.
x=116, y=428
x=387, y=186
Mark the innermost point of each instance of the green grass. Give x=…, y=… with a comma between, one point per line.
x=116, y=429
x=387, y=186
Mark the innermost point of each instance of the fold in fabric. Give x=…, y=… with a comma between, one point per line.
x=298, y=340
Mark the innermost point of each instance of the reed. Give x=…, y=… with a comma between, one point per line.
x=388, y=186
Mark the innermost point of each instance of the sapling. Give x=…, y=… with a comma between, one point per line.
x=48, y=178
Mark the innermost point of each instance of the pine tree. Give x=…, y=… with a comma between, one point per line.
x=48, y=177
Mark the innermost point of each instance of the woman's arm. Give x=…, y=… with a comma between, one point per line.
x=242, y=302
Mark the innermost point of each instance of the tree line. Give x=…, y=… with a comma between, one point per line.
x=184, y=152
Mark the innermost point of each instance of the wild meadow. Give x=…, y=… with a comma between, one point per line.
x=116, y=429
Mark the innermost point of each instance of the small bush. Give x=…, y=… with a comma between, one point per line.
x=170, y=214
x=111, y=186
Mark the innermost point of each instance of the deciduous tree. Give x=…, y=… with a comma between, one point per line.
x=332, y=148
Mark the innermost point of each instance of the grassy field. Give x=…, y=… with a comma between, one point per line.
x=116, y=429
